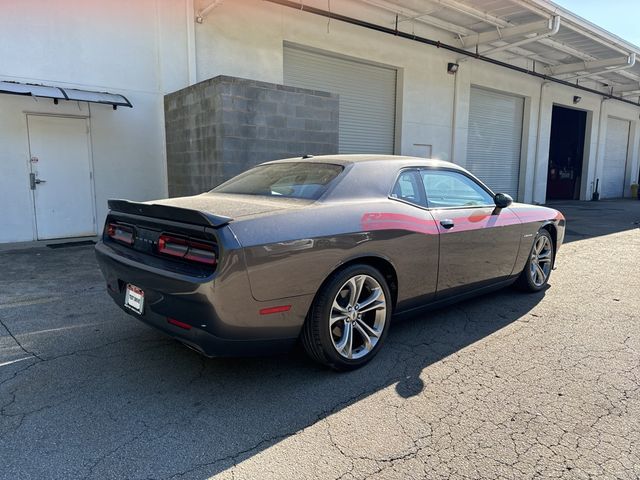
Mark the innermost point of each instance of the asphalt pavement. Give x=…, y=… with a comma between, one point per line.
x=504, y=386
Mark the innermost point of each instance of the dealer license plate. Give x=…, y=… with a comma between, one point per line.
x=134, y=299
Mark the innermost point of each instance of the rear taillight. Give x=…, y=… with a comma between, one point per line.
x=187, y=249
x=120, y=233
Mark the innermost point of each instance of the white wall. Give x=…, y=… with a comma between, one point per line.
x=245, y=38
x=251, y=34
x=141, y=50
x=135, y=48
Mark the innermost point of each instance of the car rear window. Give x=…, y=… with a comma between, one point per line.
x=290, y=180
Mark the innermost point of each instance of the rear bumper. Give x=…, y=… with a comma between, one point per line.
x=215, y=317
x=200, y=339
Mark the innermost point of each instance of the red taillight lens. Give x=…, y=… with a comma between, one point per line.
x=201, y=252
x=176, y=247
x=120, y=233
x=187, y=249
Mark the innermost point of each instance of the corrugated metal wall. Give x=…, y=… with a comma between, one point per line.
x=367, y=97
x=495, y=139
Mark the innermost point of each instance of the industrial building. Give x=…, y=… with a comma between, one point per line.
x=115, y=99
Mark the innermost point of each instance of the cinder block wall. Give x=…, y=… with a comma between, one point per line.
x=220, y=127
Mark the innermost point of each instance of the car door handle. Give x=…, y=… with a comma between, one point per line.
x=447, y=223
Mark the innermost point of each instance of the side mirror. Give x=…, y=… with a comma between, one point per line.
x=502, y=200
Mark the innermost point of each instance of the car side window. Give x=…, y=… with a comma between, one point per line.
x=446, y=188
x=408, y=189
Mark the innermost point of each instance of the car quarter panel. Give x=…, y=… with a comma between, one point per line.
x=533, y=218
x=220, y=305
x=292, y=254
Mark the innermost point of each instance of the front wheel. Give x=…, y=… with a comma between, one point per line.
x=349, y=318
x=537, y=271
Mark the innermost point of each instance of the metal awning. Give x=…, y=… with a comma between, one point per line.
x=64, y=93
x=535, y=35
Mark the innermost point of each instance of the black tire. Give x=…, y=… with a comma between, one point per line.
x=317, y=337
x=526, y=281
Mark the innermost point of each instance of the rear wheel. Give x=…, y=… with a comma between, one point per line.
x=349, y=318
x=537, y=271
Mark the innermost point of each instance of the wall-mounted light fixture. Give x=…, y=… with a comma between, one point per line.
x=452, y=68
x=577, y=99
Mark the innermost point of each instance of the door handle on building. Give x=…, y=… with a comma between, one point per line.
x=33, y=181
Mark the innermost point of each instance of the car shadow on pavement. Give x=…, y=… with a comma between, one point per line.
x=117, y=399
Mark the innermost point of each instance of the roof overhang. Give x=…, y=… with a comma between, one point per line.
x=64, y=93
x=534, y=36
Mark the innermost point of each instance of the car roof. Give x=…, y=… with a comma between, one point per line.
x=346, y=159
x=367, y=176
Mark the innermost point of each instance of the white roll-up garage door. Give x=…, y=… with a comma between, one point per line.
x=367, y=96
x=495, y=138
x=615, y=158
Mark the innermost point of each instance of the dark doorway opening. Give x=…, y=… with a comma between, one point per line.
x=566, y=153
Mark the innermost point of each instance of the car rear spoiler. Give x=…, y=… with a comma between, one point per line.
x=167, y=212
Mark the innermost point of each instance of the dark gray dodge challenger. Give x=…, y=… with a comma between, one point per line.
x=322, y=249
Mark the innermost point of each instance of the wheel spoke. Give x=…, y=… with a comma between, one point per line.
x=355, y=288
x=545, y=259
x=336, y=318
x=544, y=255
x=338, y=312
x=371, y=303
x=336, y=307
x=540, y=274
x=378, y=305
x=345, y=346
x=365, y=336
x=364, y=326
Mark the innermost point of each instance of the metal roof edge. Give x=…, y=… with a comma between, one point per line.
x=551, y=8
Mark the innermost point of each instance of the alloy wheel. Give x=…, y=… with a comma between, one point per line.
x=541, y=257
x=358, y=316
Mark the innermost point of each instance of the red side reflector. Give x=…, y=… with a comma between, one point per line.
x=270, y=310
x=178, y=323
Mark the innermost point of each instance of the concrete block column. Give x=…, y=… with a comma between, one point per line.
x=220, y=127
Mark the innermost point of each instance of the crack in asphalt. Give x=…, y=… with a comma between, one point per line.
x=18, y=342
x=479, y=393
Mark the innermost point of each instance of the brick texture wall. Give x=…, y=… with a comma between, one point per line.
x=220, y=127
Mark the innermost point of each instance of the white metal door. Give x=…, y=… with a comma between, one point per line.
x=495, y=139
x=367, y=93
x=61, y=177
x=615, y=158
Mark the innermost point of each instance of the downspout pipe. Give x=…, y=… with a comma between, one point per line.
x=192, y=75
x=454, y=118
x=203, y=12
x=536, y=162
x=598, y=148
x=444, y=46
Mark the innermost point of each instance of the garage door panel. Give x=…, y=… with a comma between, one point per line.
x=495, y=139
x=367, y=97
x=615, y=159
